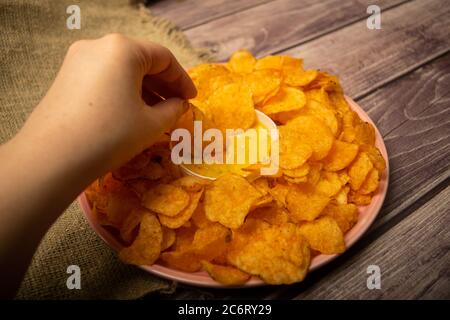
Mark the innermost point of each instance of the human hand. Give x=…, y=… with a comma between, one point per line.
x=97, y=110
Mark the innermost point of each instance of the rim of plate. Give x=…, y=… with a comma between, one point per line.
x=367, y=215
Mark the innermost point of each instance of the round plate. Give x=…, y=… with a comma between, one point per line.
x=367, y=215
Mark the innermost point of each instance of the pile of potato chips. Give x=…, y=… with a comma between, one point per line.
x=236, y=227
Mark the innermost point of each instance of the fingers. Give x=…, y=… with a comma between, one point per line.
x=163, y=115
x=164, y=73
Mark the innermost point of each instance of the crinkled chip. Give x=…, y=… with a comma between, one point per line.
x=166, y=199
x=276, y=253
x=371, y=183
x=324, y=235
x=226, y=275
x=174, y=222
x=229, y=199
x=287, y=99
x=270, y=214
x=231, y=107
x=346, y=215
x=305, y=203
x=299, y=77
x=359, y=170
x=329, y=183
x=263, y=84
x=242, y=61
x=340, y=156
x=146, y=248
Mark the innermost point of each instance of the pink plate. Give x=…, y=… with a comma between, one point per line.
x=367, y=215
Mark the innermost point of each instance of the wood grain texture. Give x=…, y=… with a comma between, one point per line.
x=278, y=25
x=189, y=13
x=414, y=258
x=412, y=34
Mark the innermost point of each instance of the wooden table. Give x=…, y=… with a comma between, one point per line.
x=400, y=75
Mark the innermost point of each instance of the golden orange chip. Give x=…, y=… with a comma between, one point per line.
x=371, y=183
x=270, y=62
x=226, y=275
x=293, y=154
x=359, y=170
x=279, y=193
x=270, y=214
x=329, y=183
x=263, y=84
x=340, y=156
x=166, y=199
x=346, y=215
x=299, y=78
x=365, y=133
x=191, y=183
x=375, y=156
x=325, y=81
x=181, y=260
x=146, y=248
x=262, y=185
x=324, y=235
x=211, y=241
x=169, y=237
x=315, y=169
x=184, y=237
x=229, y=199
x=276, y=253
x=298, y=172
x=305, y=203
x=287, y=99
x=312, y=131
x=174, y=222
x=341, y=196
x=231, y=107
x=199, y=217
x=130, y=224
x=359, y=199
x=319, y=105
x=242, y=61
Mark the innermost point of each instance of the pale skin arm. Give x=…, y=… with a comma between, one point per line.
x=95, y=117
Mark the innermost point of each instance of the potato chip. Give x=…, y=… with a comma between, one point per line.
x=371, y=183
x=270, y=214
x=329, y=183
x=168, y=239
x=181, y=260
x=365, y=133
x=184, y=237
x=276, y=253
x=146, y=248
x=305, y=203
x=359, y=199
x=229, y=199
x=319, y=105
x=325, y=81
x=311, y=131
x=231, y=107
x=270, y=62
x=279, y=193
x=263, y=84
x=346, y=215
x=340, y=156
x=341, y=196
x=174, y=222
x=242, y=61
x=324, y=235
x=375, y=157
x=211, y=241
x=287, y=99
x=128, y=230
x=166, y=199
x=191, y=183
x=226, y=275
x=298, y=172
x=359, y=170
x=293, y=154
x=299, y=78
x=315, y=169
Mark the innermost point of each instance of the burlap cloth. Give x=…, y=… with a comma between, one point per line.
x=34, y=38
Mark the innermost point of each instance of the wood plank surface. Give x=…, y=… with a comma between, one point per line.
x=413, y=256
x=189, y=13
x=279, y=24
x=412, y=34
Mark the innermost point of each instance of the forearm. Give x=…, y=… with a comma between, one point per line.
x=37, y=183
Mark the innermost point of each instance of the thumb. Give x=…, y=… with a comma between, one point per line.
x=163, y=115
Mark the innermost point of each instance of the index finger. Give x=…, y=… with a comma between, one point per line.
x=161, y=65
